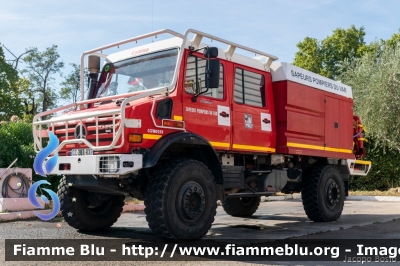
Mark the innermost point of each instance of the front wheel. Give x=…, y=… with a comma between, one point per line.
x=181, y=200
x=323, y=194
x=86, y=210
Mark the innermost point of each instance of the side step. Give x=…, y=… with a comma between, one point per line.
x=359, y=167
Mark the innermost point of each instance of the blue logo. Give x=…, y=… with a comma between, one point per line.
x=43, y=154
x=34, y=201
x=43, y=171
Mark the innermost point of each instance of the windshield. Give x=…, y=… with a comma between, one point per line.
x=137, y=74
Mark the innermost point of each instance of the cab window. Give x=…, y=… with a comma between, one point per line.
x=249, y=88
x=194, y=62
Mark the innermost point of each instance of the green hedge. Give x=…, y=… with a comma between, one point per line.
x=16, y=141
x=384, y=173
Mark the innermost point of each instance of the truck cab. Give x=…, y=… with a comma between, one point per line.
x=182, y=124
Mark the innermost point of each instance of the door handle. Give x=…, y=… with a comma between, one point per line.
x=224, y=114
x=266, y=121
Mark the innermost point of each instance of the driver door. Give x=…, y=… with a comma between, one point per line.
x=209, y=116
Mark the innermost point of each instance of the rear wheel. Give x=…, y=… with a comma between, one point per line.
x=181, y=200
x=86, y=210
x=323, y=194
x=241, y=206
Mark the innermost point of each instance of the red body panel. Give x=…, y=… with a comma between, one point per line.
x=312, y=122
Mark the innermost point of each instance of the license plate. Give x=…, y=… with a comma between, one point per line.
x=79, y=152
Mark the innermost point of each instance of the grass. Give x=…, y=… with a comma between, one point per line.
x=130, y=200
x=285, y=194
x=390, y=192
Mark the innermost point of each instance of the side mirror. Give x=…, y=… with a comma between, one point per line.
x=212, y=71
x=94, y=64
x=212, y=75
x=210, y=52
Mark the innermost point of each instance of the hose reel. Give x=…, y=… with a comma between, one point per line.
x=22, y=187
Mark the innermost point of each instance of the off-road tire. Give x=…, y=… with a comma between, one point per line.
x=174, y=185
x=77, y=214
x=241, y=207
x=323, y=194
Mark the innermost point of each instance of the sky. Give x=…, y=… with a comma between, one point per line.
x=271, y=26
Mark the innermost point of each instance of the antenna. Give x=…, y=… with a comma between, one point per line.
x=152, y=39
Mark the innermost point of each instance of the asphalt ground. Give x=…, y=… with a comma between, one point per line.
x=283, y=219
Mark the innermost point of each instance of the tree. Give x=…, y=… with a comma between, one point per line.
x=71, y=86
x=394, y=41
x=327, y=56
x=309, y=56
x=41, y=68
x=375, y=79
x=17, y=58
x=9, y=90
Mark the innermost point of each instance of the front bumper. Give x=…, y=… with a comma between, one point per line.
x=110, y=165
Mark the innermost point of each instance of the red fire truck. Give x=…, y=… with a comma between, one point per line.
x=182, y=124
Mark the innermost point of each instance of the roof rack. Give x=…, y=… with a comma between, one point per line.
x=266, y=58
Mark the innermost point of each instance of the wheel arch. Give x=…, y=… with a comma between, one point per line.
x=188, y=144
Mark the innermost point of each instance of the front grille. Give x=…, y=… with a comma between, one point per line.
x=105, y=130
